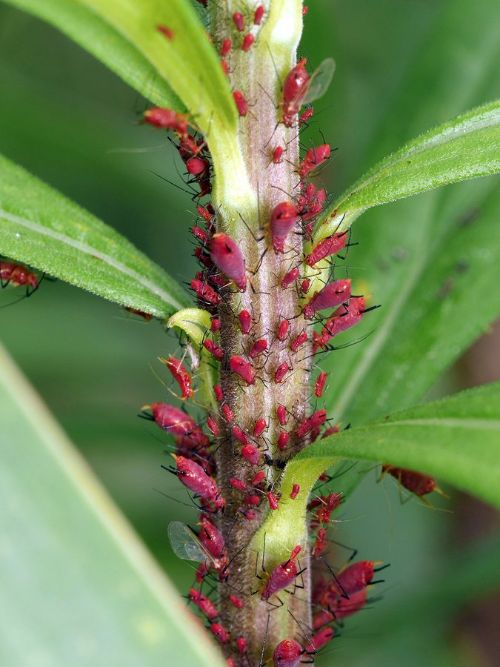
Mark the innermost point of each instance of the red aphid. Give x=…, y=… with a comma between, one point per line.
x=283, y=440
x=196, y=166
x=225, y=66
x=245, y=321
x=319, y=385
x=220, y=633
x=343, y=607
x=236, y=601
x=215, y=324
x=248, y=42
x=282, y=576
x=258, y=478
x=253, y=499
x=204, y=604
x=251, y=454
x=241, y=645
x=228, y=258
x=259, y=427
x=181, y=375
x=320, y=639
x=205, y=213
x=412, y=481
x=196, y=479
x=240, y=435
x=322, y=618
x=281, y=414
x=324, y=506
x=304, y=285
x=355, y=577
x=295, y=491
x=178, y=423
x=258, y=348
x=284, y=217
x=278, y=154
x=219, y=395
x=230, y=662
x=204, y=292
x=345, y=317
x=225, y=47
x=306, y=115
x=330, y=431
x=316, y=420
x=238, y=484
x=272, y=500
x=282, y=330
x=241, y=102
x=287, y=653
x=258, y=14
x=281, y=371
x=294, y=91
x=320, y=543
x=213, y=426
x=250, y=515
x=145, y=316
x=313, y=158
x=201, y=572
x=329, y=246
x=200, y=234
x=215, y=350
x=17, y=274
x=227, y=413
x=290, y=277
x=211, y=538
x=330, y=296
x=242, y=368
x=298, y=341
x=166, y=119
x=305, y=10
x=239, y=21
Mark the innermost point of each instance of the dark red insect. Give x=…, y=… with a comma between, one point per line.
x=282, y=330
x=281, y=414
x=320, y=543
x=248, y=42
x=306, y=115
x=287, y=653
x=272, y=500
x=241, y=645
x=314, y=421
x=284, y=217
x=329, y=246
x=324, y=506
x=310, y=203
x=236, y=601
x=211, y=538
x=320, y=639
x=204, y=292
x=239, y=21
x=227, y=413
x=281, y=371
x=181, y=375
x=238, y=484
x=258, y=478
x=319, y=385
x=258, y=14
x=220, y=633
x=145, y=316
x=228, y=258
x=215, y=324
x=253, y=499
x=251, y=454
x=240, y=435
x=204, y=604
x=278, y=154
x=226, y=46
x=259, y=427
x=242, y=368
x=183, y=427
x=219, y=395
x=304, y=285
x=196, y=166
x=282, y=576
x=343, y=607
x=330, y=296
x=245, y=321
x=290, y=277
x=294, y=91
x=213, y=426
x=167, y=119
x=313, y=158
x=215, y=350
x=355, y=577
x=298, y=341
x=345, y=317
x=196, y=480
x=283, y=440
x=258, y=348
x=241, y=102
x=17, y=275
x=295, y=491
x=412, y=481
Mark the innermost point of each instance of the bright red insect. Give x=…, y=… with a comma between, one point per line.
x=248, y=42
x=282, y=330
x=236, y=601
x=220, y=633
x=196, y=480
x=320, y=639
x=204, y=604
x=282, y=576
x=412, y=481
x=330, y=296
x=313, y=158
x=228, y=258
x=237, y=484
x=319, y=385
x=245, y=321
x=215, y=350
x=167, y=119
x=298, y=341
x=204, y=292
x=281, y=414
x=287, y=653
x=320, y=543
x=294, y=91
x=272, y=500
x=258, y=348
x=329, y=246
x=17, y=274
x=345, y=317
x=251, y=454
x=258, y=478
x=295, y=491
x=278, y=154
x=213, y=426
x=281, y=371
x=181, y=375
x=239, y=21
x=241, y=102
x=212, y=539
x=240, y=435
x=259, y=14
x=290, y=277
x=314, y=421
x=259, y=427
x=241, y=645
x=226, y=46
x=242, y=368
x=283, y=440
x=183, y=427
x=284, y=217
x=227, y=413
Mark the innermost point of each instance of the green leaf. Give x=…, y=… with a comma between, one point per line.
x=42, y=228
x=464, y=148
x=106, y=43
x=456, y=440
x=78, y=587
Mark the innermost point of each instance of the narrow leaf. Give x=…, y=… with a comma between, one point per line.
x=78, y=587
x=464, y=148
x=42, y=228
x=103, y=41
x=456, y=440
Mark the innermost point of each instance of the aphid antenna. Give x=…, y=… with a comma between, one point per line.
x=175, y=185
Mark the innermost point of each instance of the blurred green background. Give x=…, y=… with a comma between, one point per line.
x=72, y=123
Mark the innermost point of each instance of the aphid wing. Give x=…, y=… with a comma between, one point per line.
x=185, y=544
x=320, y=81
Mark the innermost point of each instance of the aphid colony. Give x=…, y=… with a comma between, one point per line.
x=326, y=311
